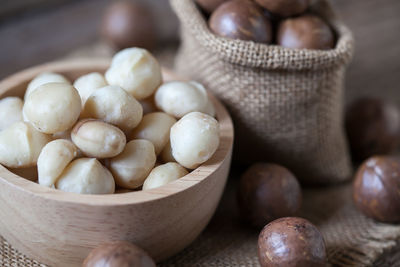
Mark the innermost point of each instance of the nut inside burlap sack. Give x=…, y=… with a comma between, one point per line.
x=287, y=104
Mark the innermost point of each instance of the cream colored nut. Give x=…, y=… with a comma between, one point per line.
x=10, y=111
x=154, y=127
x=20, y=145
x=86, y=176
x=53, y=159
x=98, y=139
x=209, y=109
x=43, y=78
x=194, y=139
x=166, y=153
x=114, y=105
x=53, y=107
x=135, y=70
x=148, y=105
x=29, y=173
x=131, y=167
x=163, y=175
x=179, y=98
x=88, y=84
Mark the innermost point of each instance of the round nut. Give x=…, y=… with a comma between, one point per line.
x=86, y=176
x=20, y=145
x=267, y=192
x=305, y=32
x=166, y=153
x=244, y=20
x=154, y=127
x=118, y=254
x=136, y=71
x=291, y=241
x=89, y=83
x=194, y=139
x=209, y=5
x=98, y=139
x=10, y=111
x=164, y=174
x=133, y=165
x=53, y=159
x=53, y=107
x=43, y=78
x=376, y=188
x=285, y=8
x=114, y=105
x=179, y=98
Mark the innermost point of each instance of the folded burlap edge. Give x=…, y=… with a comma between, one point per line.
x=269, y=56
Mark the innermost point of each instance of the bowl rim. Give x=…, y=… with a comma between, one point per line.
x=195, y=177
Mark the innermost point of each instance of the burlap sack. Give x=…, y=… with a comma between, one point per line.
x=286, y=103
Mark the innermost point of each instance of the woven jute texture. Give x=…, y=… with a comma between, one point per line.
x=286, y=103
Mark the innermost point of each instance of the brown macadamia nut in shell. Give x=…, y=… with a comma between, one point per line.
x=244, y=20
x=373, y=128
x=284, y=8
x=291, y=241
x=267, y=192
x=305, y=32
x=376, y=188
x=118, y=254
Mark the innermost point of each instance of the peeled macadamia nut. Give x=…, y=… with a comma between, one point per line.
x=267, y=192
x=284, y=8
x=98, y=139
x=305, y=32
x=118, y=254
x=43, y=78
x=86, y=176
x=133, y=165
x=10, y=111
x=376, y=188
x=194, y=139
x=289, y=242
x=20, y=145
x=180, y=98
x=53, y=159
x=114, y=105
x=164, y=174
x=53, y=107
x=154, y=127
x=136, y=71
x=87, y=84
x=166, y=153
x=244, y=20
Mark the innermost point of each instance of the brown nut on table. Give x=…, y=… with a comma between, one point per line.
x=376, y=188
x=244, y=20
x=291, y=241
x=284, y=8
x=209, y=5
x=267, y=192
x=118, y=254
x=373, y=127
x=305, y=32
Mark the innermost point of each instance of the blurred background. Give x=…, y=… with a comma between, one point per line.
x=37, y=31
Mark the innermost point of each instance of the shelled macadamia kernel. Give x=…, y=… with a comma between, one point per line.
x=166, y=153
x=86, y=176
x=43, y=78
x=20, y=145
x=154, y=127
x=133, y=165
x=53, y=159
x=194, y=139
x=89, y=83
x=98, y=139
x=135, y=70
x=53, y=107
x=114, y=105
x=10, y=111
x=164, y=174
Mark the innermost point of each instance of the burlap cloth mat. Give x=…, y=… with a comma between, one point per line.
x=351, y=238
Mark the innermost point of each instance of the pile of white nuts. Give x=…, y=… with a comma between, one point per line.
x=125, y=129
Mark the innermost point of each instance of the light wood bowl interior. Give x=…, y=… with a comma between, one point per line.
x=60, y=228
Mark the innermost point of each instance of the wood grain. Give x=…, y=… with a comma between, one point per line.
x=60, y=228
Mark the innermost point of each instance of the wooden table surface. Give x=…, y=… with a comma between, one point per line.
x=33, y=32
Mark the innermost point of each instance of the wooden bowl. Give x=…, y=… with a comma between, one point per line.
x=60, y=228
